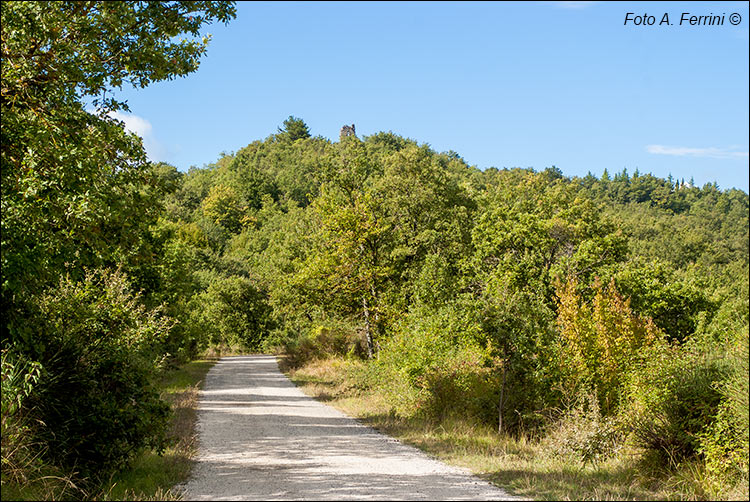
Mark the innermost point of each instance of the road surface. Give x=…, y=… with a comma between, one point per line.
x=261, y=438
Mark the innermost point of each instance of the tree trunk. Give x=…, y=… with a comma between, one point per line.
x=368, y=328
x=500, y=406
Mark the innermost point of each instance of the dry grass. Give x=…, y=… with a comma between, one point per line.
x=525, y=467
x=25, y=476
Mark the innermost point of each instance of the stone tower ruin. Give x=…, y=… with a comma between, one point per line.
x=347, y=131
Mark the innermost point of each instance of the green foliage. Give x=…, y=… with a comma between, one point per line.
x=675, y=306
x=78, y=194
x=726, y=443
x=294, y=129
x=675, y=398
x=98, y=351
x=519, y=327
x=723, y=444
x=530, y=229
x=333, y=339
x=18, y=379
x=19, y=453
x=737, y=391
x=435, y=366
x=76, y=189
x=602, y=344
x=233, y=311
x=223, y=207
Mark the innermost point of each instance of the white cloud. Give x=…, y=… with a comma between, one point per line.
x=144, y=129
x=572, y=4
x=133, y=123
x=710, y=152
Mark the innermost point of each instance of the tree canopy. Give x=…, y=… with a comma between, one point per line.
x=75, y=186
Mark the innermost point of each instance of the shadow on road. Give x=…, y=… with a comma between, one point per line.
x=262, y=439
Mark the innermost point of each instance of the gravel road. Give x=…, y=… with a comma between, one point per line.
x=261, y=438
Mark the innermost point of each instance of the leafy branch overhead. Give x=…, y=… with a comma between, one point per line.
x=76, y=187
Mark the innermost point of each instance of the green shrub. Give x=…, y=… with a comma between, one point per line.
x=19, y=377
x=675, y=398
x=602, y=342
x=435, y=367
x=325, y=340
x=461, y=383
x=655, y=291
x=737, y=394
x=19, y=453
x=99, y=353
x=723, y=446
x=725, y=443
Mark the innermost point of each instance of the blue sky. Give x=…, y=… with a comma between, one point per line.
x=503, y=84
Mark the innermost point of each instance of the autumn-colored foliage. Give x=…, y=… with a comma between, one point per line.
x=602, y=340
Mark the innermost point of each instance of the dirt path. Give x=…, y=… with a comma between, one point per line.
x=261, y=438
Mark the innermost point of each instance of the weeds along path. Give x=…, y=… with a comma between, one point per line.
x=261, y=438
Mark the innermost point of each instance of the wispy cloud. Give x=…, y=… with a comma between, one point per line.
x=133, y=123
x=144, y=129
x=710, y=152
x=572, y=4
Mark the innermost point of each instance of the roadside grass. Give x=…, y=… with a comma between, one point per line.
x=46, y=484
x=152, y=476
x=524, y=466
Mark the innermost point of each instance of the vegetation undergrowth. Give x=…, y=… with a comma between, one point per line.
x=538, y=466
x=150, y=476
x=153, y=476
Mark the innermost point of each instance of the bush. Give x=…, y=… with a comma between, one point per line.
x=435, y=367
x=461, y=383
x=19, y=453
x=675, y=398
x=325, y=340
x=99, y=348
x=601, y=343
x=725, y=444
x=581, y=432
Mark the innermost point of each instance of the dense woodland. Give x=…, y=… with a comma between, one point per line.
x=501, y=294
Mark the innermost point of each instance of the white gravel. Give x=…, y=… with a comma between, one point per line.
x=261, y=438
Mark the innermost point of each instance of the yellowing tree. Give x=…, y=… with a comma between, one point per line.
x=602, y=341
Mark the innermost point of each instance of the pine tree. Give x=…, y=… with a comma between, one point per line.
x=294, y=129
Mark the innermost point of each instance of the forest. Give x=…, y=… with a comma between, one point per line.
x=501, y=295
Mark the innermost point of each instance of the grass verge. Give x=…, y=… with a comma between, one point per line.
x=530, y=468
